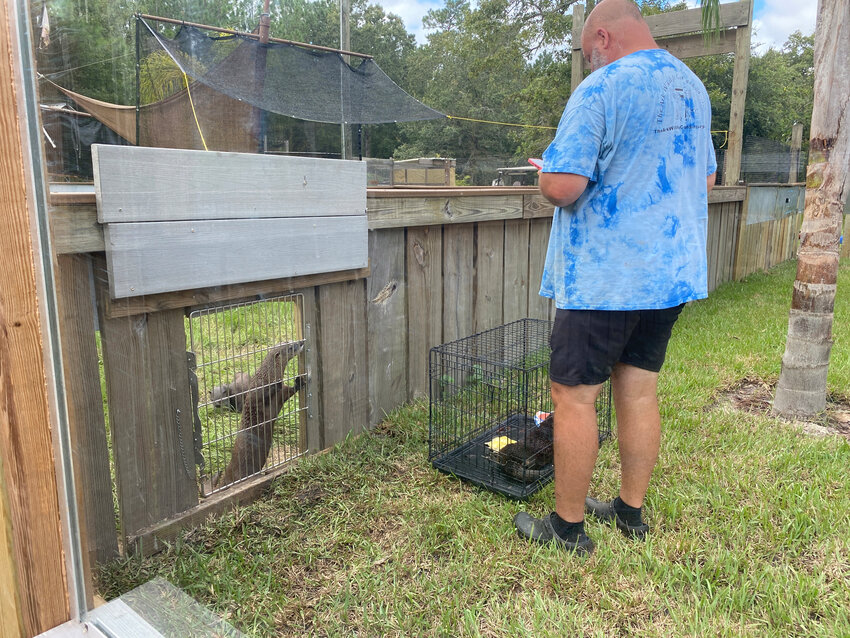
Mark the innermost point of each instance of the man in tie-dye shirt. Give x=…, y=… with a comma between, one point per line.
x=629, y=172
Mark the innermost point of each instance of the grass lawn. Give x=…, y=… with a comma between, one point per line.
x=750, y=520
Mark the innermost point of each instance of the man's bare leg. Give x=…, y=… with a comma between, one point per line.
x=575, y=446
x=638, y=429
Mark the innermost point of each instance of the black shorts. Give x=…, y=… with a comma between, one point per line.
x=586, y=344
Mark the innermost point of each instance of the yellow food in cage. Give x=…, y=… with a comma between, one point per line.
x=498, y=443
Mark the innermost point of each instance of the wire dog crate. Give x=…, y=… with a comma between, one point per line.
x=489, y=403
x=251, y=396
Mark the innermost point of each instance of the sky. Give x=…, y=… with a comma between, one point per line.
x=773, y=20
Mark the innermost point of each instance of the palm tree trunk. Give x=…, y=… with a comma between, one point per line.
x=802, y=384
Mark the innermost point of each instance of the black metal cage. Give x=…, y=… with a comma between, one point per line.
x=489, y=403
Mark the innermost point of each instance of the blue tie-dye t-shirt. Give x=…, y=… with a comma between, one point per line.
x=639, y=130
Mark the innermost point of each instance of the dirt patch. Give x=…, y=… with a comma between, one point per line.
x=756, y=397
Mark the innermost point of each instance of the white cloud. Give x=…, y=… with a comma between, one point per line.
x=777, y=19
x=412, y=12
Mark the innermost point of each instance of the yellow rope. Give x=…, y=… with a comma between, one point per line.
x=551, y=128
x=469, y=119
x=197, y=123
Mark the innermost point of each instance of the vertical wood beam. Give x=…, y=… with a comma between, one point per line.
x=150, y=412
x=26, y=443
x=344, y=360
x=12, y=625
x=424, y=303
x=85, y=408
x=386, y=309
x=578, y=59
x=796, y=145
x=739, y=97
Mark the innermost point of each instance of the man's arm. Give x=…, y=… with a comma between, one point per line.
x=709, y=181
x=562, y=189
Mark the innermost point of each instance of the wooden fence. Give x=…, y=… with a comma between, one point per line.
x=444, y=264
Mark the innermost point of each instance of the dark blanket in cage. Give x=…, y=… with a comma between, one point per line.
x=513, y=457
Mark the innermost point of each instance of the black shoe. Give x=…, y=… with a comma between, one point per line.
x=539, y=530
x=605, y=512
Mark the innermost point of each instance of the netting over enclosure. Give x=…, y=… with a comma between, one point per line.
x=318, y=86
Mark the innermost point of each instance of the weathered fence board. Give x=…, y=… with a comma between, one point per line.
x=458, y=279
x=516, y=270
x=386, y=298
x=137, y=183
x=689, y=46
x=343, y=360
x=422, y=211
x=150, y=415
x=200, y=297
x=489, y=275
x=538, y=307
x=85, y=407
x=310, y=396
x=424, y=302
x=155, y=257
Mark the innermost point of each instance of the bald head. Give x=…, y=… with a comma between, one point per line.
x=615, y=28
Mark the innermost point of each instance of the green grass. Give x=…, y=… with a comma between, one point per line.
x=750, y=521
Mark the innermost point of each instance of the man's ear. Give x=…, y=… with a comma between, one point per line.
x=604, y=37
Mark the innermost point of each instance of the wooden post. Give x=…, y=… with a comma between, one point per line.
x=386, y=306
x=345, y=45
x=12, y=625
x=85, y=408
x=150, y=412
x=796, y=145
x=578, y=58
x=344, y=360
x=739, y=98
x=26, y=442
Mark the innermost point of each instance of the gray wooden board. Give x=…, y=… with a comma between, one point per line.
x=305, y=319
x=343, y=360
x=155, y=257
x=515, y=299
x=458, y=279
x=147, y=383
x=420, y=211
x=690, y=20
x=85, y=407
x=424, y=303
x=690, y=46
x=538, y=307
x=137, y=183
x=489, y=275
x=740, y=73
x=74, y=229
x=386, y=298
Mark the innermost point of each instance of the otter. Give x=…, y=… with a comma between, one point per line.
x=231, y=395
x=264, y=399
x=528, y=460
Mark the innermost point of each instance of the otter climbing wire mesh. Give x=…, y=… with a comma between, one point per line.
x=317, y=86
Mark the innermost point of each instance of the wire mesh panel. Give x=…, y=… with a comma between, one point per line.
x=490, y=405
x=251, y=406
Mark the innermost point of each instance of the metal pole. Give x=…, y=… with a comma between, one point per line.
x=138, y=78
x=344, y=44
x=260, y=75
